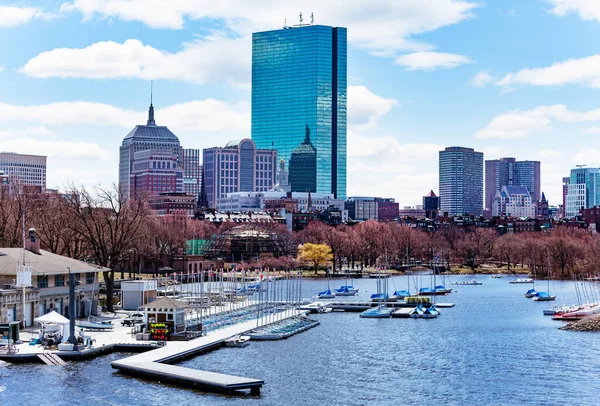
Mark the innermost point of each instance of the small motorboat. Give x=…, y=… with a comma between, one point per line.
x=471, y=282
x=316, y=307
x=238, y=341
x=496, y=276
x=522, y=280
x=94, y=325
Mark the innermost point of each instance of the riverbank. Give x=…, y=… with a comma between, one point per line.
x=591, y=323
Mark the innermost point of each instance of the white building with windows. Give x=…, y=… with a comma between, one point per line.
x=513, y=201
x=27, y=170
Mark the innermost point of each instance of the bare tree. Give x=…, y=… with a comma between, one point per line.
x=110, y=225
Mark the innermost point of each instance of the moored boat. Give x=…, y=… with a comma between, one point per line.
x=522, y=280
x=543, y=297
x=438, y=290
x=378, y=312
x=531, y=293
x=471, y=282
x=346, y=290
x=238, y=341
x=326, y=294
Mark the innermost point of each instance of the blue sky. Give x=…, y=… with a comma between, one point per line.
x=507, y=77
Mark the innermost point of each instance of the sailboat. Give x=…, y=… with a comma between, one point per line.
x=545, y=296
x=381, y=311
x=326, y=294
x=436, y=290
x=346, y=290
x=532, y=292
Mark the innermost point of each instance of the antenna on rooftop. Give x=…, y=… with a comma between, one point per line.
x=300, y=18
x=285, y=23
x=312, y=18
x=580, y=166
x=151, y=82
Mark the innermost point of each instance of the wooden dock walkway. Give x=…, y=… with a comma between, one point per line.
x=151, y=364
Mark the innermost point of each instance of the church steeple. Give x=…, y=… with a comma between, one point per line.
x=151, y=109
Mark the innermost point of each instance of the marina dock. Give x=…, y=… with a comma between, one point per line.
x=151, y=364
x=359, y=306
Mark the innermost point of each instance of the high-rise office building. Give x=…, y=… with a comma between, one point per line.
x=238, y=167
x=303, y=166
x=155, y=172
x=583, y=190
x=27, y=170
x=510, y=172
x=299, y=80
x=192, y=172
x=565, y=190
x=141, y=138
x=461, y=181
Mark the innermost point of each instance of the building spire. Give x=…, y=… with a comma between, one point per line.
x=151, y=109
x=307, y=135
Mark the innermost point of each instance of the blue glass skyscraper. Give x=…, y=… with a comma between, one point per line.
x=299, y=80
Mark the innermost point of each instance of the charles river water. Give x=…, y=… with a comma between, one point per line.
x=494, y=348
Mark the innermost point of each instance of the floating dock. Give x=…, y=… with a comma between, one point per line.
x=151, y=364
x=402, y=313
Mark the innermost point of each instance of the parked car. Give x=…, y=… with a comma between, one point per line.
x=133, y=319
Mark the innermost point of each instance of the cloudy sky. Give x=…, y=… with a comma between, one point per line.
x=507, y=77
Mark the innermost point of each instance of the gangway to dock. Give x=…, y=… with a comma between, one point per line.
x=49, y=358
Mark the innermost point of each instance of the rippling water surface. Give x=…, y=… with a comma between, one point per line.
x=494, y=348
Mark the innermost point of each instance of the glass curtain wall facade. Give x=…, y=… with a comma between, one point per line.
x=461, y=181
x=583, y=190
x=298, y=80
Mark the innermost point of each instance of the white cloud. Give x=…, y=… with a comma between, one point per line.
x=382, y=27
x=39, y=130
x=592, y=130
x=519, y=124
x=481, y=79
x=1, y=68
x=379, y=165
x=211, y=59
x=57, y=150
x=202, y=115
x=588, y=156
x=587, y=9
x=365, y=107
x=583, y=71
x=431, y=60
x=12, y=16
x=379, y=25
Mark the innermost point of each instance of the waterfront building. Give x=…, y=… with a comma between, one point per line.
x=514, y=201
x=510, y=172
x=49, y=283
x=27, y=170
x=303, y=166
x=166, y=204
x=155, y=172
x=237, y=167
x=583, y=190
x=431, y=205
x=461, y=181
x=141, y=138
x=299, y=79
x=192, y=171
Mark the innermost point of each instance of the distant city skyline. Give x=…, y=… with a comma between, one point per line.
x=417, y=82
